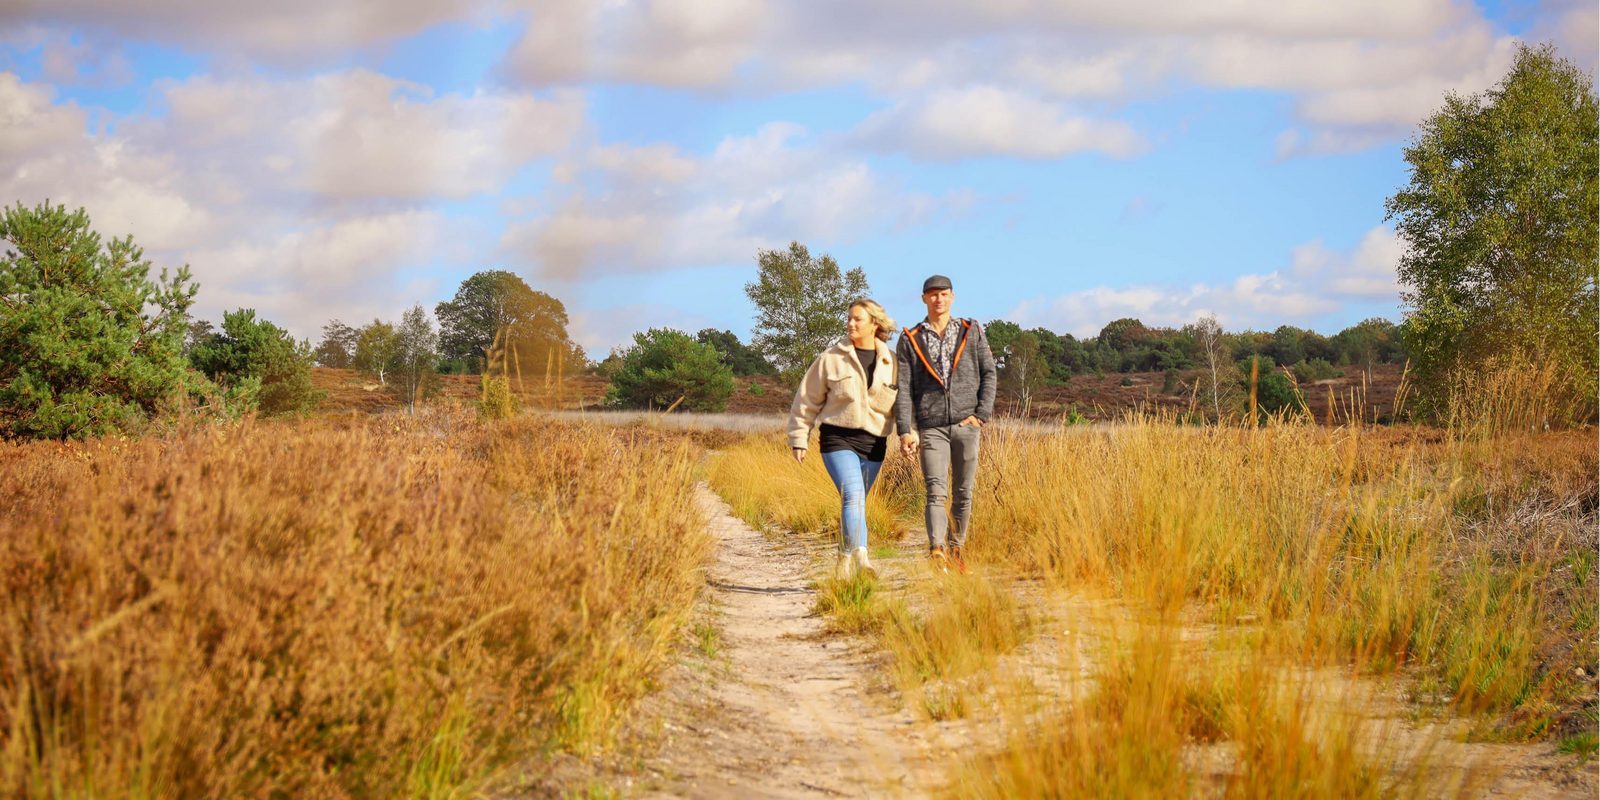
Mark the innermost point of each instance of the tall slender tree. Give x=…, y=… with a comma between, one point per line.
x=416, y=357
x=801, y=301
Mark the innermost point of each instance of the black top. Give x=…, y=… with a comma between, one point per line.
x=869, y=447
x=868, y=359
x=835, y=438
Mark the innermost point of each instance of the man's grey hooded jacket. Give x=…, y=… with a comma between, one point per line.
x=924, y=400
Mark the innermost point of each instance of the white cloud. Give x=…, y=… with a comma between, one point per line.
x=31, y=123
x=598, y=330
x=306, y=276
x=1574, y=25
x=1316, y=283
x=1360, y=72
x=361, y=135
x=68, y=59
x=286, y=31
x=964, y=78
x=989, y=121
x=682, y=43
x=303, y=198
x=654, y=208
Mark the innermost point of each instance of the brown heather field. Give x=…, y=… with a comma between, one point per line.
x=378, y=605
x=338, y=607
x=1097, y=398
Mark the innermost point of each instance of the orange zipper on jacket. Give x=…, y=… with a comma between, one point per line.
x=910, y=334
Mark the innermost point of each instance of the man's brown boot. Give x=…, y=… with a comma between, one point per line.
x=940, y=562
x=956, y=559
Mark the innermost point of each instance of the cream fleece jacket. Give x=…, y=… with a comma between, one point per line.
x=834, y=391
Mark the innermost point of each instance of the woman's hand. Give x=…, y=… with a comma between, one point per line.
x=799, y=455
x=908, y=444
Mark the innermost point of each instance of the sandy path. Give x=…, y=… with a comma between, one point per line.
x=789, y=716
x=783, y=710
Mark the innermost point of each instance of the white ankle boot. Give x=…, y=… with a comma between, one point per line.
x=862, y=563
x=845, y=568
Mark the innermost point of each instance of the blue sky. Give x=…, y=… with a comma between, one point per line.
x=1066, y=163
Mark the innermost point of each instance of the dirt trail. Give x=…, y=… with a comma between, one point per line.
x=782, y=710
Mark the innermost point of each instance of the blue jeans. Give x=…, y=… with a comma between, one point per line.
x=854, y=476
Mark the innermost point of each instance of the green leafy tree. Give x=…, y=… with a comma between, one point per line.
x=253, y=355
x=1275, y=392
x=338, y=346
x=801, y=302
x=1065, y=354
x=377, y=350
x=1001, y=333
x=1289, y=344
x=89, y=343
x=744, y=360
x=498, y=303
x=1367, y=343
x=1500, y=228
x=1124, y=335
x=664, y=365
x=1025, y=370
x=417, y=355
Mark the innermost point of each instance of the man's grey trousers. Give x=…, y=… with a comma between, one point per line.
x=949, y=449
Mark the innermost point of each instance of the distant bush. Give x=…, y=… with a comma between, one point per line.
x=1275, y=392
x=756, y=389
x=254, y=354
x=1169, y=380
x=1316, y=369
x=495, y=400
x=1126, y=381
x=664, y=365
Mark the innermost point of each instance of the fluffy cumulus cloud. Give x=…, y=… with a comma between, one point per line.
x=966, y=78
x=362, y=135
x=989, y=121
x=1360, y=73
x=684, y=43
x=286, y=31
x=297, y=196
x=636, y=209
x=1316, y=283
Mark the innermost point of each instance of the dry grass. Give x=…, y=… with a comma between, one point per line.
x=1460, y=566
x=939, y=631
x=360, y=607
x=1383, y=552
x=764, y=486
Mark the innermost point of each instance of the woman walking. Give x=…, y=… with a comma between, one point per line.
x=850, y=390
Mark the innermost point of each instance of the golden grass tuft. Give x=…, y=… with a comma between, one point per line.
x=764, y=486
x=1260, y=590
x=359, y=607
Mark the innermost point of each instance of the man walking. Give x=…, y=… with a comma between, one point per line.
x=950, y=399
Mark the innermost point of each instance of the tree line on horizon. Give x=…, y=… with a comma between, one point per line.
x=1499, y=273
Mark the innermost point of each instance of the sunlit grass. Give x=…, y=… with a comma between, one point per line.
x=374, y=607
x=1325, y=563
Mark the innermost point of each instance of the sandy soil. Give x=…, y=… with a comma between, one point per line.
x=779, y=708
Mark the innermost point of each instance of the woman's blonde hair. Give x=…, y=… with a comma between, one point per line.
x=878, y=316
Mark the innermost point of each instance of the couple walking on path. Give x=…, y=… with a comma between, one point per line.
x=937, y=389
